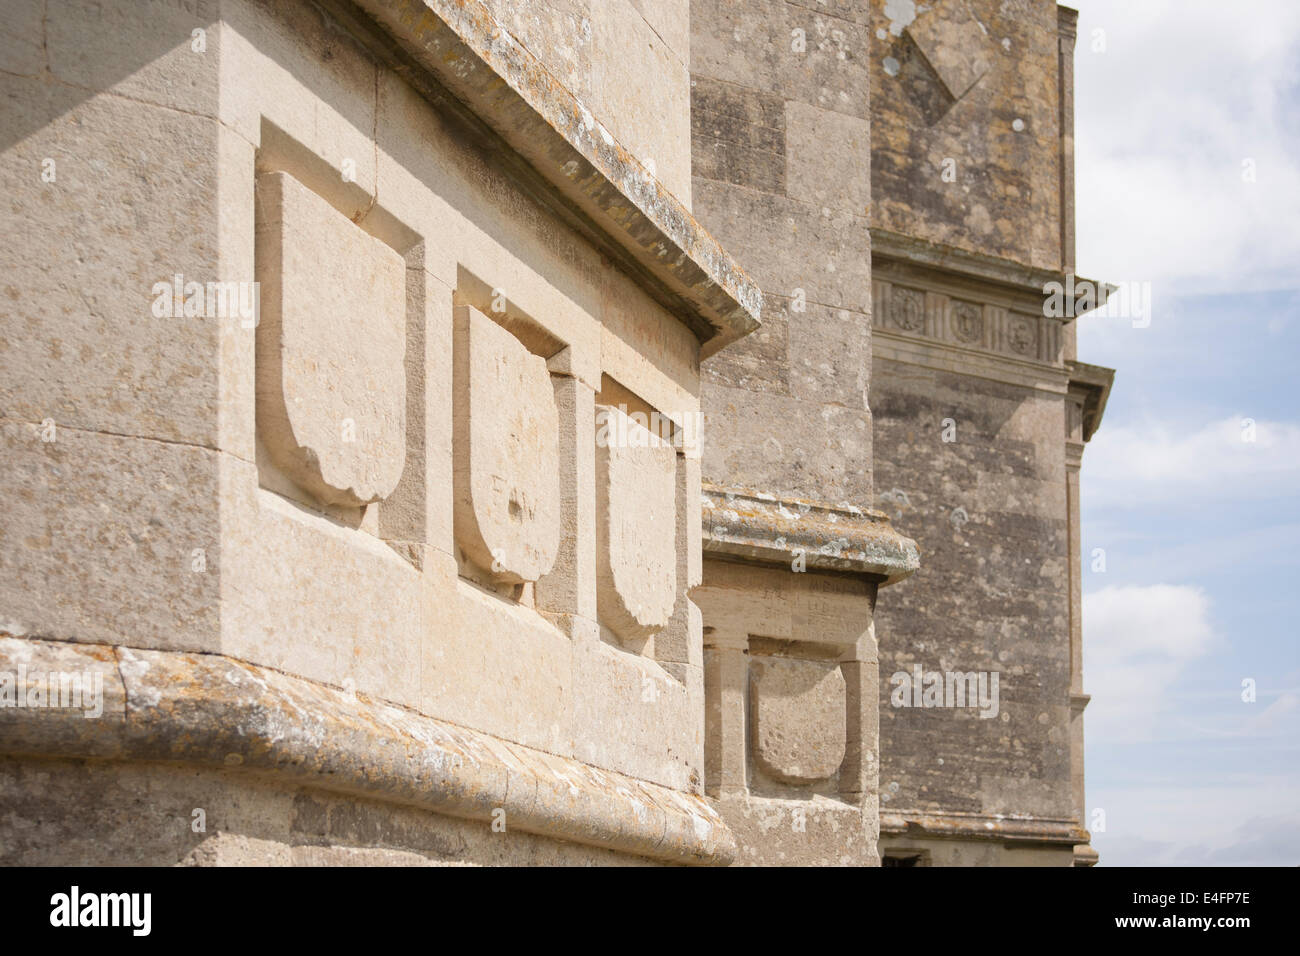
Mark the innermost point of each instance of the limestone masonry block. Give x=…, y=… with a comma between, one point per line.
x=838, y=177
x=89, y=341
x=109, y=539
x=636, y=525
x=506, y=451
x=798, y=718
x=331, y=347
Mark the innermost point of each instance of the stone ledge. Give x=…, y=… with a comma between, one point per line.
x=1085, y=855
x=974, y=826
x=894, y=245
x=472, y=56
x=770, y=530
x=1027, y=281
x=214, y=711
x=1095, y=381
x=830, y=831
x=943, y=356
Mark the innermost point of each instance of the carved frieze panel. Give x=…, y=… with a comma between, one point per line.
x=506, y=470
x=1022, y=335
x=331, y=347
x=967, y=322
x=636, y=522
x=907, y=309
x=985, y=326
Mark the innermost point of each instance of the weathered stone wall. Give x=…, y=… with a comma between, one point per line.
x=973, y=84
x=987, y=511
x=793, y=553
x=781, y=152
x=975, y=401
x=627, y=61
x=388, y=488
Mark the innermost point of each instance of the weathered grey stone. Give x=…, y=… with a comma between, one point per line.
x=830, y=268
x=977, y=436
x=813, y=454
x=754, y=43
x=828, y=158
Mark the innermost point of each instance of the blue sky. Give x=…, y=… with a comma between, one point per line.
x=1188, y=178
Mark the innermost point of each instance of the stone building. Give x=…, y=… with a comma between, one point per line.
x=355, y=575
x=352, y=363
x=981, y=411
x=793, y=552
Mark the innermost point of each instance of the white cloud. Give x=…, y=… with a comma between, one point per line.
x=1136, y=464
x=1275, y=716
x=1185, y=92
x=1243, y=823
x=1137, y=641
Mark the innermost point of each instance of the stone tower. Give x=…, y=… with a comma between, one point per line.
x=981, y=413
x=793, y=552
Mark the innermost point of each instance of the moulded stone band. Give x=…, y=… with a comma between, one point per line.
x=680, y=263
x=214, y=711
x=984, y=827
x=775, y=530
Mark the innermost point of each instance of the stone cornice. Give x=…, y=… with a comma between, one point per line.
x=983, y=275
x=216, y=712
x=1067, y=22
x=977, y=826
x=1095, y=381
x=458, y=55
x=768, y=530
